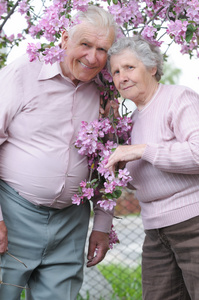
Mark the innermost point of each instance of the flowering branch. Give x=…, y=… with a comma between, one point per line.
x=9, y=14
x=94, y=141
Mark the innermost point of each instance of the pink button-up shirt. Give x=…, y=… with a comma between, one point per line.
x=40, y=115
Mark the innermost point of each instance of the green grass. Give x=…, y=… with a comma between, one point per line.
x=23, y=295
x=126, y=282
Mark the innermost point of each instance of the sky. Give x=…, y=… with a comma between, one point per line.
x=189, y=67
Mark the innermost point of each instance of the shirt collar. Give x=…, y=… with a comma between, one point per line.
x=49, y=71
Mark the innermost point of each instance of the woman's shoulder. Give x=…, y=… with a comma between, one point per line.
x=176, y=88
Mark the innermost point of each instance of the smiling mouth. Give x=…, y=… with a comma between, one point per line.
x=85, y=66
x=127, y=87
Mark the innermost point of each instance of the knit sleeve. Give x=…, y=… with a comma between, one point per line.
x=102, y=218
x=181, y=153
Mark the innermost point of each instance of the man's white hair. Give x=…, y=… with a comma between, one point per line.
x=96, y=17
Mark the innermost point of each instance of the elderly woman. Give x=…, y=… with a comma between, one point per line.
x=163, y=160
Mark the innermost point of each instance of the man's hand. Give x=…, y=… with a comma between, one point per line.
x=98, y=246
x=3, y=238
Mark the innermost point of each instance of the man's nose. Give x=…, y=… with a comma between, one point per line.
x=92, y=55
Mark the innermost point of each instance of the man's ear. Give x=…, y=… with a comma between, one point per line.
x=64, y=39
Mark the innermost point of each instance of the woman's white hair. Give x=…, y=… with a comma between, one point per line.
x=148, y=53
x=96, y=17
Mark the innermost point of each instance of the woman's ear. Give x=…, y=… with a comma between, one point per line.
x=153, y=70
x=64, y=39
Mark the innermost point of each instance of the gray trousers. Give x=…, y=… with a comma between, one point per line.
x=49, y=241
x=170, y=262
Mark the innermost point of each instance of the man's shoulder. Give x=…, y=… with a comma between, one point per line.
x=23, y=64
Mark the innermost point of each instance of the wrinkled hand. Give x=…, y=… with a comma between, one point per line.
x=105, y=112
x=3, y=238
x=124, y=154
x=98, y=246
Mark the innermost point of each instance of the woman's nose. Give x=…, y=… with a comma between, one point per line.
x=123, y=76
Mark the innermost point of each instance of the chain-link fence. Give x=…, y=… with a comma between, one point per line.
x=118, y=276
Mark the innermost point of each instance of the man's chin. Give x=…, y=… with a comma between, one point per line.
x=86, y=77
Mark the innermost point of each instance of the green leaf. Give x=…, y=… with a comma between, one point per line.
x=95, y=186
x=109, y=196
x=189, y=36
x=116, y=194
x=189, y=33
x=115, y=1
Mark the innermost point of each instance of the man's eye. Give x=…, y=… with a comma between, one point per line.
x=102, y=49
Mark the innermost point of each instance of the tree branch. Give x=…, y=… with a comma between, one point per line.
x=154, y=16
x=9, y=14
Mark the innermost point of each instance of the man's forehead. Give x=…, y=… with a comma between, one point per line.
x=86, y=32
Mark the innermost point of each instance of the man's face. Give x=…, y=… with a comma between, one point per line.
x=86, y=52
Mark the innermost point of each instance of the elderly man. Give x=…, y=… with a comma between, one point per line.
x=42, y=107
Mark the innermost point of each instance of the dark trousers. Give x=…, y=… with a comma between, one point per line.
x=170, y=262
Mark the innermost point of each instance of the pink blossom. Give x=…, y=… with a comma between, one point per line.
x=107, y=204
x=23, y=7
x=88, y=193
x=109, y=186
x=80, y=4
x=53, y=54
x=124, y=175
x=11, y=37
x=76, y=199
x=177, y=30
x=32, y=50
x=149, y=32
x=113, y=238
x=83, y=183
x=3, y=7
x=107, y=75
x=20, y=36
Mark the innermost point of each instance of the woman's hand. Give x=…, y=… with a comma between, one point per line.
x=124, y=154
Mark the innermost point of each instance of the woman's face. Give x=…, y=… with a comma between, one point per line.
x=131, y=78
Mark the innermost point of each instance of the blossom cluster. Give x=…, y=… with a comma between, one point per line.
x=113, y=238
x=94, y=141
